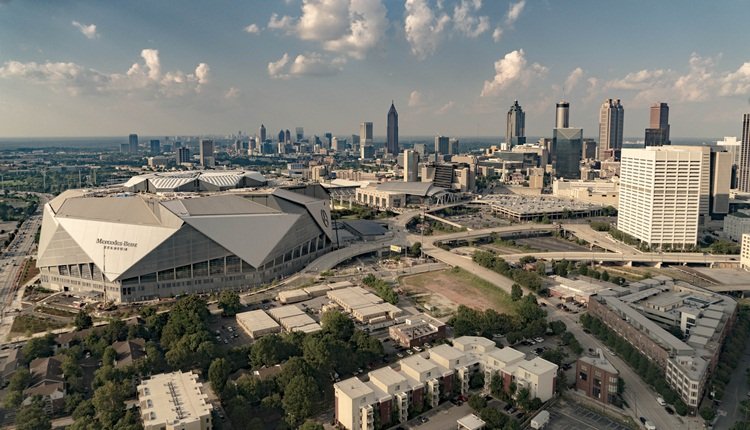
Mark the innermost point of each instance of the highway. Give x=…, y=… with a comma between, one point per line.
x=641, y=257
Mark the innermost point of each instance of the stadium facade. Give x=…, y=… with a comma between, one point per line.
x=128, y=247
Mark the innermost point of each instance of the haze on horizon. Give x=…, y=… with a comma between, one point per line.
x=452, y=67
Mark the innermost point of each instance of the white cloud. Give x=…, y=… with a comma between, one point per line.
x=573, y=78
x=311, y=64
x=232, y=93
x=445, y=108
x=497, y=35
x=424, y=29
x=349, y=27
x=737, y=82
x=77, y=79
x=465, y=22
x=639, y=80
x=416, y=99
x=275, y=68
x=87, y=30
x=514, y=12
x=698, y=83
x=511, y=69
x=252, y=29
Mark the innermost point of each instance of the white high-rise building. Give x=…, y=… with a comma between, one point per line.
x=411, y=164
x=663, y=192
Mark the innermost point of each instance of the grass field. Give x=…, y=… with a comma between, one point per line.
x=459, y=287
x=28, y=324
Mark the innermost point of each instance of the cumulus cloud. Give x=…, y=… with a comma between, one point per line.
x=349, y=27
x=252, y=29
x=464, y=20
x=737, y=82
x=639, y=80
x=232, y=93
x=497, y=35
x=311, y=64
x=87, y=30
x=416, y=99
x=573, y=78
x=424, y=29
x=514, y=12
x=510, y=69
x=445, y=108
x=77, y=79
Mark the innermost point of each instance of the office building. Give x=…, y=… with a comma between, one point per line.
x=743, y=182
x=155, y=146
x=124, y=148
x=515, y=126
x=299, y=134
x=207, y=153
x=421, y=149
x=262, y=133
x=366, y=152
x=287, y=136
x=663, y=192
x=658, y=132
x=365, y=133
x=611, y=121
x=562, y=114
x=567, y=151
x=737, y=224
x=745, y=252
x=391, y=144
x=338, y=145
x=597, y=377
x=721, y=182
x=355, y=143
x=150, y=245
x=174, y=401
x=442, y=145
x=453, y=146
x=430, y=377
x=411, y=164
x=133, y=143
x=183, y=155
x=416, y=330
x=329, y=139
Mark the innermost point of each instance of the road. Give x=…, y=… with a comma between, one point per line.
x=599, y=238
x=641, y=257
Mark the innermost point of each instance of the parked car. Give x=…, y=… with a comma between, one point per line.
x=661, y=401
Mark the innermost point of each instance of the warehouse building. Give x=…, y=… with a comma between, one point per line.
x=257, y=323
x=125, y=247
x=364, y=306
x=293, y=318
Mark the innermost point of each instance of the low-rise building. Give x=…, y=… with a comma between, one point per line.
x=129, y=351
x=601, y=192
x=174, y=401
x=47, y=382
x=597, y=377
x=736, y=224
x=745, y=252
x=470, y=422
x=416, y=330
x=392, y=395
x=257, y=323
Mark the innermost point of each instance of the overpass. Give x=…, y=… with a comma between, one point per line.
x=653, y=258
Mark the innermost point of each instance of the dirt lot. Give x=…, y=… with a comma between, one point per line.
x=446, y=289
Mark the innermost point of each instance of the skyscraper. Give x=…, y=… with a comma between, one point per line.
x=562, y=114
x=453, y=146
x=365, y=133
x=287, y=136
x=262, y=133
x=155, y=147
x=133, y=143
x=611, y=120
x=391, y=144
x=207, y=153
x=411, y=164
x=515, y=126
x=658, y=132
x=183, y=155
x=282, y=136
x=567, y=150
x=300, y=132
x=743, y=183
x=442, y=145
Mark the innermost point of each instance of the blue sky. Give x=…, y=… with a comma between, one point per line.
x=453, y=67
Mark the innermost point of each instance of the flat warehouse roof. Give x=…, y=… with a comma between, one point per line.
x=285, y=311
x=256, y=320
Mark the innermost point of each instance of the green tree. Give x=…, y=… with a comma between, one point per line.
x=83, y=320
x=20, y=380
x=109, y=403
x=523, y=398
x=477, y=402
x=218, y=373
x=13, y=399
x=311, y=425
x=298, y=399
x=708, y=413
x=229, y=302
x=33, y=417
x=516, y=292
x=415, y=250
x=496, y=384
x=338, y=324
x=38, y=347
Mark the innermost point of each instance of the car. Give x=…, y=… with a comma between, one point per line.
x=410, y=352
x=661, y=401
x=507, y=407
x=423, y=420
x=649, y=425
x=418, y=349
x=669, y=410
x=538, y=339
x=399, y=355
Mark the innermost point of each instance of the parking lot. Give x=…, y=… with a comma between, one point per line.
x=569, y=416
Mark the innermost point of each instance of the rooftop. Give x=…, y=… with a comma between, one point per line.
x=174, y=398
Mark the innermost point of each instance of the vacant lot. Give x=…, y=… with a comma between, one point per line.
x=453, y=287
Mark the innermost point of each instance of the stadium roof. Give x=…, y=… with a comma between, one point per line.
x=422, y=189
x=198, y=180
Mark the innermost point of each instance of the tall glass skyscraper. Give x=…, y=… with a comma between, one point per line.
x=515, y=126
x=658, y=132
x=391, y=144
x=611, y=121
x=567, y=150
x=743, y=183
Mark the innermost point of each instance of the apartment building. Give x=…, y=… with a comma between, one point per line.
x=174, y=401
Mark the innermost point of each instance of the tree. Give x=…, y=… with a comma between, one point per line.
x=218, y=373
x=523, y=398
x=298, y=399
x=516, y=292
x=33, y=417
x=708, y=413
x=477, y=380
x=311, y=425
x=338, y=324
x=415, y=250
x=229, y=302
x=83, y=320
x=477, y=402
x=605, y=276
x=38, y=347
x=109, y=403
x=496, y=384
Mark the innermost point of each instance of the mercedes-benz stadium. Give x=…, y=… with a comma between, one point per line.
x=128, y=247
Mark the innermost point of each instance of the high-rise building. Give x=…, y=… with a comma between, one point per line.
x=155, y=146
x=562, y=114
x=183, y=155
x=721, y=182
x=411, y=164
x=743, y=181
x=207, y=153
x=453, y=146
x=391, y=144
x=515, y=126
x=663, y=192
x=300, y=132
x=262, y=133
x=442, y=145
x=658, y=132
x=287, y=136
x=611, y=120
x=133, y=143
x=366, y=152
x=329, y=139
x=365, y=133
x=421, y=149
x=355, y=143
x=567, y=151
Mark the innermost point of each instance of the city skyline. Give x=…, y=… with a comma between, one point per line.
x=453, y=67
